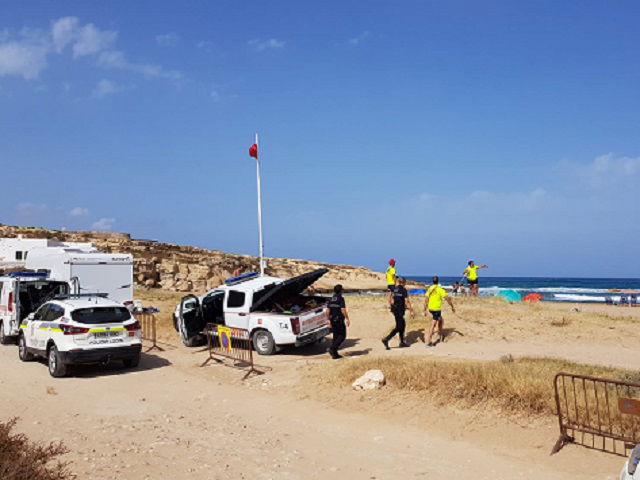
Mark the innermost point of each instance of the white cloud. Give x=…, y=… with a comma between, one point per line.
x=103, y=225
x=27, y=56
x=23, y=58
x=206, y=45
x=63, y=31
x=262, y=45
x=28, y=209
x=168, y=40
x=606, y=170
x=78, y=212
x=104, y=88
x=363, y=37
x=116, y=59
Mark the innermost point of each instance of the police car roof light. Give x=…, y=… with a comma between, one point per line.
x=28, y=274
x=240, y=278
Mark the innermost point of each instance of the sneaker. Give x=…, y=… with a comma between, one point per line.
x=385, y=342
x=431, y=344
x=335, y=355
x=403, y=345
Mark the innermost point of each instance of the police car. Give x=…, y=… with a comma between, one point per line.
x=80, y=329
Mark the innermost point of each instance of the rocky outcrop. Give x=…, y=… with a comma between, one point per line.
x=192, y=269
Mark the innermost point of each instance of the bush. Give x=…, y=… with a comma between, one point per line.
x=22, y=459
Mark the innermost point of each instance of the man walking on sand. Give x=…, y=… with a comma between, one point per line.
x=337, y=316
x=398, y=302
x=472, y=277
x=391, y=274
x=433, y=304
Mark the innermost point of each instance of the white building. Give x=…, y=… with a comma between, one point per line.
x=14, y=251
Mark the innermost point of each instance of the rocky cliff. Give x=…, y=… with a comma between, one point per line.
x=191, y=269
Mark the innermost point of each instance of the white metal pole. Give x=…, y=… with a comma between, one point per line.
x=261, y=245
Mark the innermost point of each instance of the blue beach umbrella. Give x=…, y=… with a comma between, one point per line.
x=510, y=296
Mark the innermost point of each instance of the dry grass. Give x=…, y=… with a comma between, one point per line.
x=518, y=385
x=21, y=459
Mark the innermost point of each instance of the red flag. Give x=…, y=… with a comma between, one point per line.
x=253, y=151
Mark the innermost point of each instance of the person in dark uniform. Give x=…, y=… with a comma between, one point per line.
x=337, y=315
x=398, y=301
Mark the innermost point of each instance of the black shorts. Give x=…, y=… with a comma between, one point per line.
x=390, y=287
x=436, y=314
x=472, y=282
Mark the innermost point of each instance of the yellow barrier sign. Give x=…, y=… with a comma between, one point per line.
x=224, y=335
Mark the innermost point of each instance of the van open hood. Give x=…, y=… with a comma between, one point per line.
x=288, y=288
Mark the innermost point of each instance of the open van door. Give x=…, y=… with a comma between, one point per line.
x=191, y=321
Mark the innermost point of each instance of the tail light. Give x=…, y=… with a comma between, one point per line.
x=10, y=301
x=295, y=325
x=71, y=330
x=132, y=328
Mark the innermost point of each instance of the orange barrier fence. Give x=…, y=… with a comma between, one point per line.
x=147, y=319
x=597, y=413
x=232, y=343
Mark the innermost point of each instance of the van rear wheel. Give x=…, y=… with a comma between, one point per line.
x=263, y=343
x=4, y=339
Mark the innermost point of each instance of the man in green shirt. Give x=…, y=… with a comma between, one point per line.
x=433, y=304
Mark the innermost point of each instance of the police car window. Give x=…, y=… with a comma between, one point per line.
x=99, y=315
x=54, y=313
x=41, y=312
x=235, y=299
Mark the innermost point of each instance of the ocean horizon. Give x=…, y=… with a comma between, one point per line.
x=554, y=289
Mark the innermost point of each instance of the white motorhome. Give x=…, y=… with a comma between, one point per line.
x=87, y=271
x=14, y=251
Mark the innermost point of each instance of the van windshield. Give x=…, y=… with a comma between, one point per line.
x=99, y=315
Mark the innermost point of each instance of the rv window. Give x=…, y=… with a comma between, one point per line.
x=18, y=255
x=98, y=315
x=235, y=299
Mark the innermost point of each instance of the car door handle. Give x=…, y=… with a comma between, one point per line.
x=242, y=314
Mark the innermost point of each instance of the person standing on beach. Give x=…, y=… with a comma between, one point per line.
x=391, y=275
x=433, y=304
x=472, y=277
x=398, y=302
x=337, y=316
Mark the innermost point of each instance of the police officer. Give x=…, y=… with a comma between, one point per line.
x=398, y=302
x=337, y=314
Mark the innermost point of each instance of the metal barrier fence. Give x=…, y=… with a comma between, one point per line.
x=232, y=343
x=149, y=332
x=597, y=413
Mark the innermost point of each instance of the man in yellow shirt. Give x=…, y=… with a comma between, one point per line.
x=471, y=272
x=433, y=304
x=391, y=275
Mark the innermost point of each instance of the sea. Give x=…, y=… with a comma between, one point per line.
x=552, y=289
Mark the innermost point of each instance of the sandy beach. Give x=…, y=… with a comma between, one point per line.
x=172, y=418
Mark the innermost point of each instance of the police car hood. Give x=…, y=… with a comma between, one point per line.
x=288, y=288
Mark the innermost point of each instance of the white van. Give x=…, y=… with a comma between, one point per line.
x=87, y=271
x=22, y=294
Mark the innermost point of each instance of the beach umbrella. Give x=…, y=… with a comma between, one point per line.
x=532, y=297
x=629, y=292
x=510, y=296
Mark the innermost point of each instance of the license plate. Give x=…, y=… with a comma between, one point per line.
x=106, y=334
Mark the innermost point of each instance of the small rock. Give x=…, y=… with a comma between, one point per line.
x=371, y=380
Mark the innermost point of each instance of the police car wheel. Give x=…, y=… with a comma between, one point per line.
x=23, y=353
x=56, y=367
x=263, y=343
x=132, y=362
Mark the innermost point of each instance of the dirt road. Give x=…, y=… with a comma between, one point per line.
x=171, y=419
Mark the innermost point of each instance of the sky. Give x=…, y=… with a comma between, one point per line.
x=432, y=132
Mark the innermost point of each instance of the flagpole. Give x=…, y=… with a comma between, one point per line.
x=261, y=245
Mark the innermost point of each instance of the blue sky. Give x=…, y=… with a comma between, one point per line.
x=432, y=132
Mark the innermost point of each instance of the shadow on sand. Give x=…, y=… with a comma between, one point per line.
x=148, y=361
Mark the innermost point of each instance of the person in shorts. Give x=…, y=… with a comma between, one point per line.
x=471, y=272
x=433, y=304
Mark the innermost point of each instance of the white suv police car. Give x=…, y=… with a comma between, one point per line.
x=80, y=329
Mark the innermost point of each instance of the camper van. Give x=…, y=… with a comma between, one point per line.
x=87, y=271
